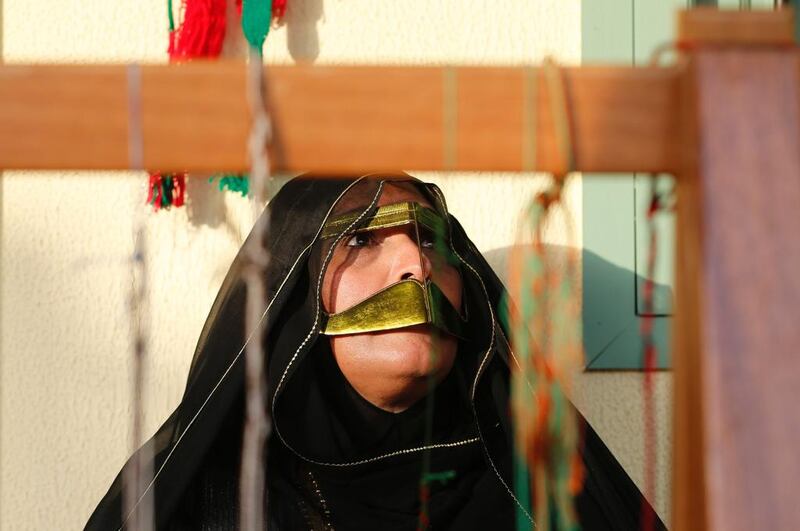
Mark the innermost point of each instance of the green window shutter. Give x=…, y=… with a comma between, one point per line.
x=654, y=24
x=614, y=205
x=615, y=235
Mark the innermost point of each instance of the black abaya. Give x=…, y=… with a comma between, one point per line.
x=334, y=460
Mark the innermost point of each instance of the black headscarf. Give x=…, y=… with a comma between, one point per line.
x=335, y=461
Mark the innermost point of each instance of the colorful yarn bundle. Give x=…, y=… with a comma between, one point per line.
x=429, y=477
x=166, y=190
x=547, y=343
x=278, y=10
x=547, y=346
x=256, y=19
x=200, y=34
x=659, y=202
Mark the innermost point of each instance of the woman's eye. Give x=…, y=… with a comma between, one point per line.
x=361, y=239
x=427, y=239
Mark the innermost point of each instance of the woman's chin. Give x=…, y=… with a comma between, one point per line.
x=383, y=366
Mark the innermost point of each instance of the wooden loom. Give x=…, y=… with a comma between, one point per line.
x=726, y=122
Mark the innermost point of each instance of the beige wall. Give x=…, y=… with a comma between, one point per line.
x=67, y=239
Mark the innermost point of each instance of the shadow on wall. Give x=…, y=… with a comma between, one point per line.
x=302, y=37
x=206, y=204
x=611, y=333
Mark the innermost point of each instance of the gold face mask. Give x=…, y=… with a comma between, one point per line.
x=407, y=302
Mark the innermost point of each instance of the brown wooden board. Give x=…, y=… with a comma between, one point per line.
x=737, y=424
x=335, y=120
x=708, y=26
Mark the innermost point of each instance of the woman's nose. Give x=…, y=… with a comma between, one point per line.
x=409, y=261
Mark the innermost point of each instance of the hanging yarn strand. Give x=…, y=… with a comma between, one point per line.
x=138, y=509
x=657, y=203
x=547, y=344
x=428, y=476
x=252, y=481
x=200, y=33
x=256, y=17
x=135, y=506
x=648, y=356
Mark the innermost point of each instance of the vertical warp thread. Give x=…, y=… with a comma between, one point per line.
x=649, y=352
x=427, y=476
x=139, y=512
x=252, y=479
x=547, y=340
x=659, y=202
x=135, y=136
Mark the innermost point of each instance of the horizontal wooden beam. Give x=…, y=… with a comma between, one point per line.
x=335, y=120
x=727, y=27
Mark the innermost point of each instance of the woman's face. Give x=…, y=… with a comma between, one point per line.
x=390, y=369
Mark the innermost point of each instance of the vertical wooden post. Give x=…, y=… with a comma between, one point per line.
x=737, y=348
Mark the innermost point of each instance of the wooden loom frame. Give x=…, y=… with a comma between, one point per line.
x=730, y=112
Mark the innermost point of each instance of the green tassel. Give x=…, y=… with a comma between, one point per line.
x=170, y=16
x=233, y=183
x=256, y=18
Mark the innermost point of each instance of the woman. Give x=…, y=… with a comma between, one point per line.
x=386, y=361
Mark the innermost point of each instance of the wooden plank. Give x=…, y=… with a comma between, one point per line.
x=704, y=26
x=737, y=381
x=689, y=474
x=336, y=120
x=73, y=115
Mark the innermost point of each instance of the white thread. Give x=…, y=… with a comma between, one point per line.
x=214, y=389
x=399, y=452
x=252, y=474
x=140, y=470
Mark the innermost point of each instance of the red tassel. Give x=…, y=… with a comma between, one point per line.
x=278, y=9
x=166, y=190
x=154, y=196
x=202, y=31
x=178, y=189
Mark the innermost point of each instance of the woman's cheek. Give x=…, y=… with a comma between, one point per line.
x=449, y=281
x=354, y=287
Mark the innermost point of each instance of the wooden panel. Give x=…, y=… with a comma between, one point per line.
x=336, y=120
x=349, y=119
x=75, y=116
x=689, y=474
x=759, y=27
x=737, y=385
x=193, y=116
